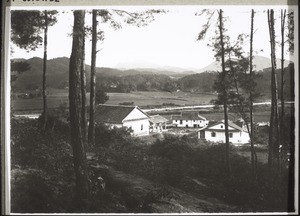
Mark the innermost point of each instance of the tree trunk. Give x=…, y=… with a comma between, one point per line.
x=253, y=153
x=77, y=141
x=91, y=135
x=83, y=93
x=274, y=133
x=227, y=158
x=45, y=108
x=283, y=15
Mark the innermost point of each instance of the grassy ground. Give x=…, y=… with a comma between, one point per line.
x=142, y=98
x=159, y=98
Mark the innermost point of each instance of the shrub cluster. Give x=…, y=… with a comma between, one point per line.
x=42, y=167
x=173, y=159
x=43, y=177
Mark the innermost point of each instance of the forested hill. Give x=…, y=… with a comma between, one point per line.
x=109, y=78
x=203, y=82
x=115, y=80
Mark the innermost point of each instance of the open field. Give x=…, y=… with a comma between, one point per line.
x=141, y=98
x=156, y=98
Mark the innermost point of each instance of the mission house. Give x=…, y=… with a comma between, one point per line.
x=123, y=116
x=215, y=132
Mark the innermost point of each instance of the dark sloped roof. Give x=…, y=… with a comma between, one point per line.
x=230, y=123
x=188, y=116
x=112, y=113
x=211, y=123
x=239, y=123
x=157, y=119
x=219, y=116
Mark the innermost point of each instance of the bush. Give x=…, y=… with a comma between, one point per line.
x=44, y=167
x=106, y=136
x=30, y=192
x=175, y=160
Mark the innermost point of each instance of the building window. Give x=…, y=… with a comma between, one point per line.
x=213, y=134
x=230, y=135
x=221, y=126
x=141, y=126
x=180, y=121
x=202, y=134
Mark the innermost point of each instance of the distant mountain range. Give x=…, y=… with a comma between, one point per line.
x=260, y=63
x=144, y=65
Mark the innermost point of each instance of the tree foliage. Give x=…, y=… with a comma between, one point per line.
x=27, y=26
x=101, y=97
x=291, y=31
x=18, y=67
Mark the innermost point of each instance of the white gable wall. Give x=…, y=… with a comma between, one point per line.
x=221, y=126
x=139, y=127
x=245, y=137
x=135, y=114
x=138, y=122
x=238, y=137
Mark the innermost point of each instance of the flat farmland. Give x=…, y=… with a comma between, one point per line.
x=156, y=98
x=57, y=97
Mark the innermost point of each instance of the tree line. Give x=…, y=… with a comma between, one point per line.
x=26, y=29
x=236, y=84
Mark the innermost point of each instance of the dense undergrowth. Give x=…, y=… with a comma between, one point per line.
x=42, y=178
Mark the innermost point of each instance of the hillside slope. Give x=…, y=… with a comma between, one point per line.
x=203, y=82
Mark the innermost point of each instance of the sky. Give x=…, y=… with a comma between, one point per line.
x=170, y=40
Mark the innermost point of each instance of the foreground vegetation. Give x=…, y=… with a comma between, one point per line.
x=42, y=178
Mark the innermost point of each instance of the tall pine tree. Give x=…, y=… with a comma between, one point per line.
x=75, y=106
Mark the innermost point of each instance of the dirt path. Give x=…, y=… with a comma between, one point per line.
x=144, y=196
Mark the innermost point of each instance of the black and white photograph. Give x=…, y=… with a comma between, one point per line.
x=150, y=108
